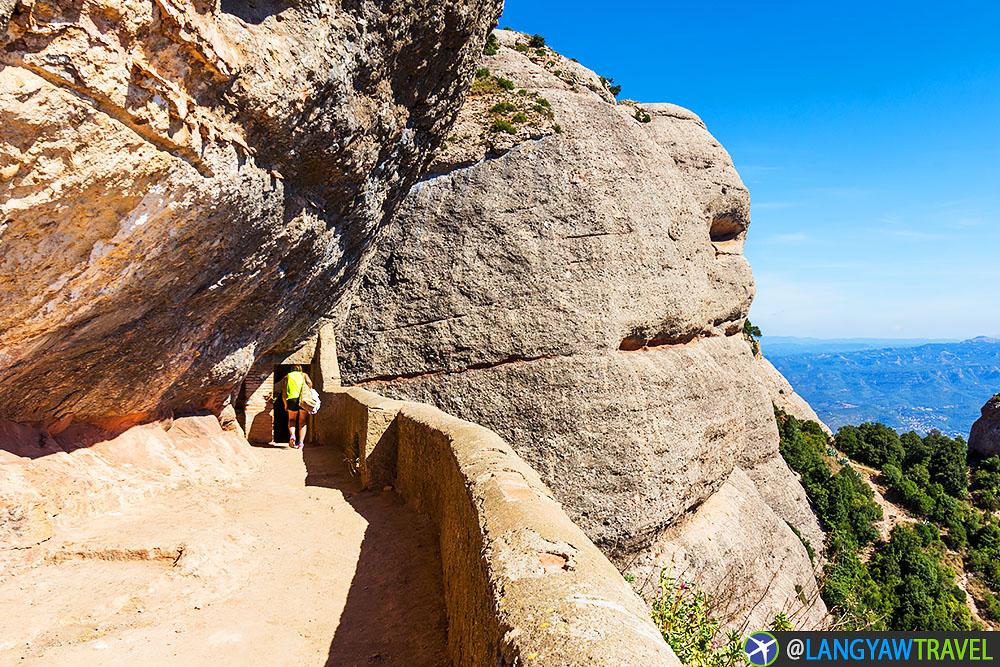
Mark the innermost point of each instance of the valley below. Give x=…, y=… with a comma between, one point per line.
x=920, y=387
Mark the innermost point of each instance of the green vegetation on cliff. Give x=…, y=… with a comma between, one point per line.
x=868, y=583
x=934, y=478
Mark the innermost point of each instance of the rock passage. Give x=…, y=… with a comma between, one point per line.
x=292, y=566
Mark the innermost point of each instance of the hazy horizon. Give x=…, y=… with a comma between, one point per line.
x=872, y=155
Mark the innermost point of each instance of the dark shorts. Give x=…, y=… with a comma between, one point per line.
x=292, y=404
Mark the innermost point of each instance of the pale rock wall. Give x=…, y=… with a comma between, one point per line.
x=736, y=528
x=181, y=183
x=582, y=293
x=985, y=436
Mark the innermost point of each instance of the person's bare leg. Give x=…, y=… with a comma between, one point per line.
x=293, y=423
x=302, y=428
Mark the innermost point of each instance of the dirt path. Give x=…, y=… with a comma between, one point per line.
x=293, y=567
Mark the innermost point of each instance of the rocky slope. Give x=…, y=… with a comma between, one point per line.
x=985, y=436
x=572, y=277
x=183, y=183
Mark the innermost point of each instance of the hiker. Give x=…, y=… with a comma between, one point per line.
x=295, y=383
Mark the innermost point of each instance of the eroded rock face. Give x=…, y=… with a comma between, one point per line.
x=182, y=183
x=739, y=549
x=985, y=436
x=576, y=282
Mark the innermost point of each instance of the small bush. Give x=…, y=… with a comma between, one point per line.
x=522, y=92
x=521, y=48
x=810, y=551
x=482, y=73
x=543, y=102
x=642, y=116
x=558, y=128
x=536, y=42
x=501, y=125
x=505, y=84
x=682, y=614
x=492, y=45
x=503, y=107
x=539, y=52
x=519, y=118
x=614, y=89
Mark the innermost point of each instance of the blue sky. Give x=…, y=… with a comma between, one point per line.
x=867, y=132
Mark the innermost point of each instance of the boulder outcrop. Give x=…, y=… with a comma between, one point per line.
x=572, y=277
x=183, y=183
x=985, y=436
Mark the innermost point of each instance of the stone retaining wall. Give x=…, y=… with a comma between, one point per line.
x=523, y=585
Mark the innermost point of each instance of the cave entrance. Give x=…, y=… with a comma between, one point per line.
x=260, y=408
x=281, y=432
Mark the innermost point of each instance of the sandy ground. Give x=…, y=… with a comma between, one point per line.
x=294, y=566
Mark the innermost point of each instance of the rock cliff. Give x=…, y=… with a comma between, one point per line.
x=985, y=436
x=571, y=276
x=183, y=183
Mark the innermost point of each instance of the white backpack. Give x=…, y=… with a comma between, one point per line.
x=309, y=400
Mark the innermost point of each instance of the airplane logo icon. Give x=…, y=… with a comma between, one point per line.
x=761, y=649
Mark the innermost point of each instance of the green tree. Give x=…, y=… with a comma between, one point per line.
x=881, y=444
x=949, y=463
x=916, y=450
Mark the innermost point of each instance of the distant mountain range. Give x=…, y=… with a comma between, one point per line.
x=905, y=384
x=783, y=346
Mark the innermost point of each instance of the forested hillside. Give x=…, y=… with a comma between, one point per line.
x=947, y=534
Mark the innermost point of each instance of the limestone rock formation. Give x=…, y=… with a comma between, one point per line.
x=985, y=436
x=572, y=277
x=183, y=183
x=728, y=547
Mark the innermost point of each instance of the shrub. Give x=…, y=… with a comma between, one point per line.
x=505, y=84
x=920, y=590
x=949, y=463
x=681, y=612
x=536, y=42
x=501, y=125
x=610, y=85
x=521, y=48
x=492, y=45
x=991, y=607
x=810, y=551
x=503, y=107
x=482, y=73
x=519, y=117
x=751, y=332
x=545, y=103
x=643, y=117
x=558, y=128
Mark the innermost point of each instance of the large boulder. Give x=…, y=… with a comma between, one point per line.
x=181, y=183
x=985, y=436
x=572, y=277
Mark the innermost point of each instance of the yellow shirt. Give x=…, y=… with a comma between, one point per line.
x=294, y=383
